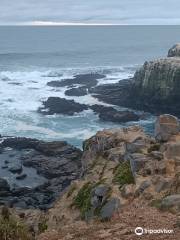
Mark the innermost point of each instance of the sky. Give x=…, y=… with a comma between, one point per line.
x=72, y=12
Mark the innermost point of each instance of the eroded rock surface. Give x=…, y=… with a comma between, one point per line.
x=36, y=172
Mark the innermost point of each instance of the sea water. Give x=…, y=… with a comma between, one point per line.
x=32, y=56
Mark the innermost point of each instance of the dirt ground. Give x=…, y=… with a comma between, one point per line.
x=122, y=227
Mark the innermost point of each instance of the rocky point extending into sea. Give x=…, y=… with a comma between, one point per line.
x=123, y=178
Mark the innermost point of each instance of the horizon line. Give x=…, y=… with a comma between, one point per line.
x=51, y=23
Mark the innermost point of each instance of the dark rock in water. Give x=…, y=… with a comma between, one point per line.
x=22, y=176
x=19, y=143
x=61, y=106
x=116, y=94
x=80, y=91
x=89, y=80
x=16, y=169
x=111, y=114
x=4, y=186
x=15, y=83
x=154, y=88
x=58, y=163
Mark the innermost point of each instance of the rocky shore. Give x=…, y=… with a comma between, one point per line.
x=122, y=179
x=154, y=88
x=36, y=172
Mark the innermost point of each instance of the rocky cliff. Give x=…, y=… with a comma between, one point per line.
x=157, y=85
x=154, y=88
x=127, y=175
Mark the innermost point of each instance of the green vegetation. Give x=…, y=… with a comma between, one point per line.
x=83, y=199
x=42, y=226
x=11, y=228
x=123, y=174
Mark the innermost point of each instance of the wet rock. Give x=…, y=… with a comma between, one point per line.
x=116, y=94
x=21, y=177
x=16, y=169
x=4, y=186
x=112, y=115
x=88, y=80
x=80, y=91
x=110, y=209
x=166, y=125
x=61, y=106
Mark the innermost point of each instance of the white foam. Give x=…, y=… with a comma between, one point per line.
x=19, y=103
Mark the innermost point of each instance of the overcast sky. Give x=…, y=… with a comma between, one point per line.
x=89, y=12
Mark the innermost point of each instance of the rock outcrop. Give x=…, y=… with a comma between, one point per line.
x=154, y=88
x=121, y=166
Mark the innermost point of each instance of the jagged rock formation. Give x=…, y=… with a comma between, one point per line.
x=154, y=88
x=122, y=167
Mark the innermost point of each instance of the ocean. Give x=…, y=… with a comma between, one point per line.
x=32, y=56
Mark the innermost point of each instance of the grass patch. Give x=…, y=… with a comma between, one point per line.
x=82, y=200
x=12, y=229
x=42, y=225
x=123, y=174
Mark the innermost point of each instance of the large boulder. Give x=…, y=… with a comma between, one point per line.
x=166, y=126
x=174, y=51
